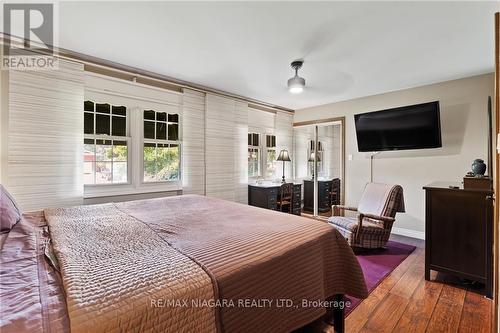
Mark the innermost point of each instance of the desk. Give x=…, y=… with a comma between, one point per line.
x=324, y=204
x=265, y=195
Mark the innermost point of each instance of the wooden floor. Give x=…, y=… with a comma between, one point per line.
x=405, y=302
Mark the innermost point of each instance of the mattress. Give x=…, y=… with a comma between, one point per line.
x=185, y=263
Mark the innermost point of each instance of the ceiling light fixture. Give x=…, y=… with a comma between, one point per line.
x=296, y=84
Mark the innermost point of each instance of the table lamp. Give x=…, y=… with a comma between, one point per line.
x=284, y=157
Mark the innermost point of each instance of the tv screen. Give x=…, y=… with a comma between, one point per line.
x=407, y=127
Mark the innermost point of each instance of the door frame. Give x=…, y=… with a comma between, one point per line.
x=324, y=122
x=496, y=174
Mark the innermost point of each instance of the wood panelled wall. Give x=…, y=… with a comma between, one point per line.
x=45, y=137
x=284, y=140
x=240, y=133
x=193, y=142
x=226, y=128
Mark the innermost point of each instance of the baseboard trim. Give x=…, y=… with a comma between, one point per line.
x=409, y=233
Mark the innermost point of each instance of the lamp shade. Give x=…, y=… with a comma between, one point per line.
x=311, y=158
x=283, y=156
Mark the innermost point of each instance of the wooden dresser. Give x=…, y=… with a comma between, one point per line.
x=324, y=187
x=266, y=196
x=459, y=232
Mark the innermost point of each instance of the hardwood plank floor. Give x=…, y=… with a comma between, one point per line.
x=405, y=302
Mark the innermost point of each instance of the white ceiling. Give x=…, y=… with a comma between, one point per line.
x=350, y=49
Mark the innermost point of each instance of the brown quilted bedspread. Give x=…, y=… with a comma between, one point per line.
x=115, y=271
x=256, y=254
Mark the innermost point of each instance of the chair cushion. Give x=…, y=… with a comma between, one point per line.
x=374, y=198
x=372, y=236
x=351, y=224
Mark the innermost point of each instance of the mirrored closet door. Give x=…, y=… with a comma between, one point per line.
x=319, y=166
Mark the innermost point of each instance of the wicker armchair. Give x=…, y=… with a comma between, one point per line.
x=375, y=215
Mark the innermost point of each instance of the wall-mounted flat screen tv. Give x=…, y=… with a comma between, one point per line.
x=407, y=127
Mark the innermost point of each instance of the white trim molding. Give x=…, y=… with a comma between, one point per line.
x=409, y=233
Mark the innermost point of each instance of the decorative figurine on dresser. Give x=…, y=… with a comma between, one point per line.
x=459, y=228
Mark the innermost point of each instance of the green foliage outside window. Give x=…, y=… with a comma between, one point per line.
x=161, y=162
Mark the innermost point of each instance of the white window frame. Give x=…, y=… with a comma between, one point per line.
x=266, y=149
x=259, y=154
x=160, y=141
x=136, y=98
x=126, y=138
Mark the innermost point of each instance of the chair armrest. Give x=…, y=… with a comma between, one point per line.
x=337, y=208
x=354, y=209
x=376, y=217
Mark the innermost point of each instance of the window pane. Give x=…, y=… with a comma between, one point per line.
x=120, y=110
x=119, y=126
x=120, y=151
x=103, y=142
x=161, y=116
x=103, y=173
x=255, y=139
x=88, y=161
x=104, y=152
x=102, y=124
x=149, y=130
x=253, y=162
x=88, y=150
x=149, y=162
x=174, y=118
x=167, y=161
x=161, y=131
x=173, y=132
x=249, y=139
x=119, y=172
x=88, y=172
x=270, y=162
x=102, y=108
x=88, y=123
x=273, y=143
x=149, y=114
x=88, y=106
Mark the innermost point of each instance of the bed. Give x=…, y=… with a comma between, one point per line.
x=180, y=264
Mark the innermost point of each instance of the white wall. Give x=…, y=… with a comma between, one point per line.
x=464, y=133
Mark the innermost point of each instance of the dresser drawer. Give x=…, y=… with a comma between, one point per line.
x=272, y=191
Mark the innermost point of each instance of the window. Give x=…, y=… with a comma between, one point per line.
x=270, y=156
x=161, y=150
x=105, y=156
x=253, y=155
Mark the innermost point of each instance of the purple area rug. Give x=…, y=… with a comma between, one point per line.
x=377, y=264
